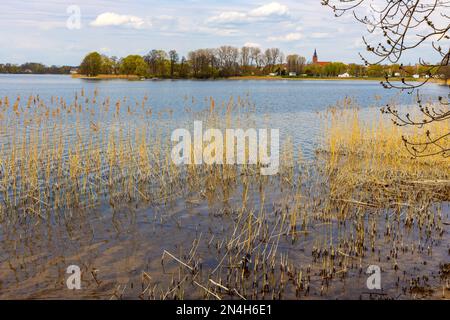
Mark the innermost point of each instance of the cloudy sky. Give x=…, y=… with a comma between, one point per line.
x=47, y=31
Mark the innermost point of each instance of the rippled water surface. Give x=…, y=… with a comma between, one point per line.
x=291, y=106
x=120, y=248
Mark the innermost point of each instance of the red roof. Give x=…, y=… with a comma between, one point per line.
x=323, y=63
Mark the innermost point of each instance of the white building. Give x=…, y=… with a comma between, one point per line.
x=344, y=75
x=292, y=74
x=416, y=76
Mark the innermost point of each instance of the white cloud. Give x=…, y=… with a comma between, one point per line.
x=223, y=32
x=166, y=23
x=271, y=9
x=252, y=45
x=114, y=19
x=263, y=13
x=287, y=38
x=166, y=17
x=319, y=35
x=228, y=17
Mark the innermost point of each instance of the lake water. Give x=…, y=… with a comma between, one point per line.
x=120, y=243
x=292, y=106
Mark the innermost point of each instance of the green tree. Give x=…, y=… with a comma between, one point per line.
x=184, y=68
x=295, y=63
x=107, y=65
x=156, y=60
x=173, y=56
x=141, y=68
x=315, y=70
x=356, y=70
x=92, y=64
x=375, y=70
x=334, y=69
x=134, y=64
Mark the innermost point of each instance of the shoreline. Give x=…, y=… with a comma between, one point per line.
x=257, y=78
x=237, y=78
x=234, y=78
x=106, y=77
x=279, y=78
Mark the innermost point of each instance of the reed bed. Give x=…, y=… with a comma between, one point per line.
x=77, y=155
x=369, y=163
x=303, y=233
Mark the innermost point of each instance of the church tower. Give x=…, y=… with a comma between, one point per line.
x=315, y=57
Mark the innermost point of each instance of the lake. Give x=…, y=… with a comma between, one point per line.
x=292, y=106
x=87, y=185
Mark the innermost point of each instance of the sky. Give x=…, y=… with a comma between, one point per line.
x=56, y=32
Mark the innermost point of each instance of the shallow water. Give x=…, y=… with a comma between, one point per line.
x=117, y=247
x=291, y=106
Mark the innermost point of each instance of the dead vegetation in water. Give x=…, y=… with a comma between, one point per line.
x=77, y=155
x=367, y=160
x=297, y=234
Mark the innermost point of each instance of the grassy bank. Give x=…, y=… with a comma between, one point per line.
x=107, y=77
x=441, y=81
x=318, y=78
x=270, y=78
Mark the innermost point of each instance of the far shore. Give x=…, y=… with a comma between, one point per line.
x=106, y=77
x=379, y=79
x=277, y=78
x=266, y=78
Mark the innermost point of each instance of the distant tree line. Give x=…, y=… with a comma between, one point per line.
x=228, y=61
x=33, y=68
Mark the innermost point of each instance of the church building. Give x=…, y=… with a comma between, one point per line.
x=316, y=60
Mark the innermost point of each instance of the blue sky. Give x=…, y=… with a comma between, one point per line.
x=37, y=30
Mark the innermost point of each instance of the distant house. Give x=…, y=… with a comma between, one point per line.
x=28, y=71
x=397, y=74
x=344, y=75
x=292, y=74
x=73, y=71
x=273, y=74
x=416, y=76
